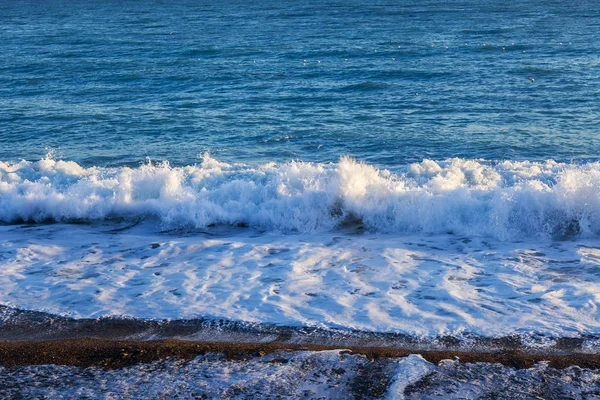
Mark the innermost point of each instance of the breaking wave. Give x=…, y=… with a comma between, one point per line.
x=506, y=200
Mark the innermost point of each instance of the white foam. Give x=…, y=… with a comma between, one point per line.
x=506, y=200
x=409, y=370
x=419, y=285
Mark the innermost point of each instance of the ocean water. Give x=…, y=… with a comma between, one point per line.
x=389, y=83
x=422, y=168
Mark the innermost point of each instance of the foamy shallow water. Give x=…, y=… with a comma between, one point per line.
x=313, y=375
x=456, y=247
x=418, y=285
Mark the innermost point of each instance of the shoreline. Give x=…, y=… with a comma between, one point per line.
x=35, y=338
x=114, y=354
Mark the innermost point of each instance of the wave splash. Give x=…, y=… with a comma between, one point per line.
x=506, y=200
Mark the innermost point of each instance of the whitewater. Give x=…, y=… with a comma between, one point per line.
x=454, y=247
x=507, y=200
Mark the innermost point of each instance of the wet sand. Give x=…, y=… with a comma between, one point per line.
x=36, y=338
x=112, y=354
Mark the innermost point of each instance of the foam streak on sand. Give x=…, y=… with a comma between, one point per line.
x=504, y=200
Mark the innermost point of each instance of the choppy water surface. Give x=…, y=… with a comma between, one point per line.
x=111, y=83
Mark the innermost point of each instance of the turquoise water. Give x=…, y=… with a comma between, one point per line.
x=389, y=83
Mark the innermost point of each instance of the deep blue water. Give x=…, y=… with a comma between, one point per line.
x=111, y=83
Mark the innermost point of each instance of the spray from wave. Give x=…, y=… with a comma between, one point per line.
x=505, y=200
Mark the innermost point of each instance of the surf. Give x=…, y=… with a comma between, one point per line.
x=506, y=200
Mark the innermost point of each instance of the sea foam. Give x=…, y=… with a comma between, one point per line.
x=505, y=200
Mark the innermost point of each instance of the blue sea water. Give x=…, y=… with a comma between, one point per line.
x=422, y=168
x=111, y=83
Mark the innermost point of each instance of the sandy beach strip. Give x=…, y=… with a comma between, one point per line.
x=111, y=354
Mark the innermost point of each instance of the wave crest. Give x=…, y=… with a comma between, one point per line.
x=506, y=200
